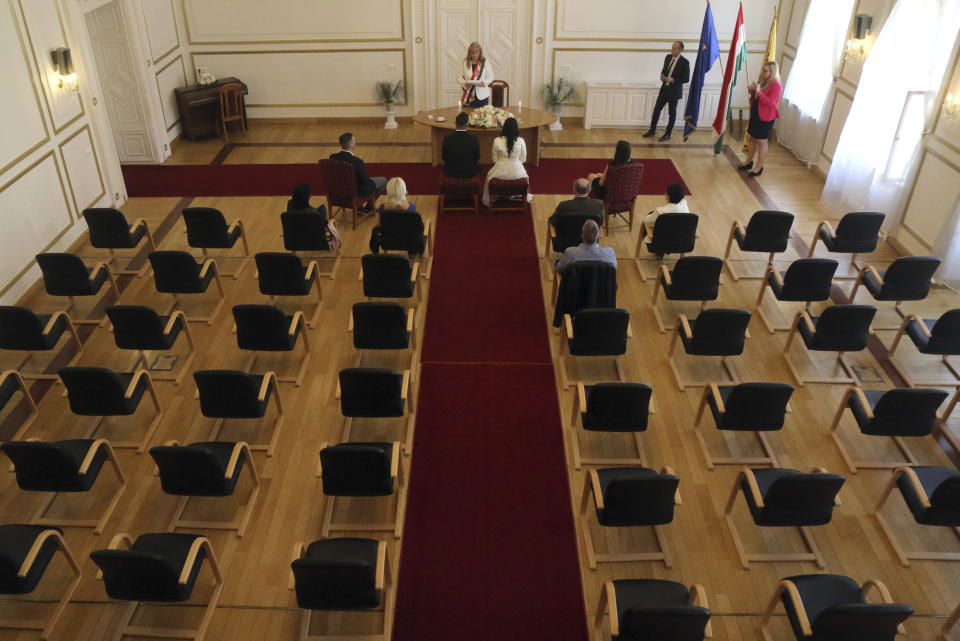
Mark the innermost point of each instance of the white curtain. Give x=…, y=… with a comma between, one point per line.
x=872, y=164
x=802, y=121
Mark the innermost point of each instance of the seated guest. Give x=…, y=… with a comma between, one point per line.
x=580, y=205
x=396, y=197
x=620, y=157
x=676, y=204
x=461, y=151
x=589, y=249
x=365, y=184
x=300, y=201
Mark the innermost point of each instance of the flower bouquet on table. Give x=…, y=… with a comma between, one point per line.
x=488, y=116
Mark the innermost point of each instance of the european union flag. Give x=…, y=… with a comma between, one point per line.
x=707, y=53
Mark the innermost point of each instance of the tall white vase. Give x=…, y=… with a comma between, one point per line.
x=391, y=120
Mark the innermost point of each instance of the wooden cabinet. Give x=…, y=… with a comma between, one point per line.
x=199, y=107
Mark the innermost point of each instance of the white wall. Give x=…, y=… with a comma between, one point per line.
x=166, y=55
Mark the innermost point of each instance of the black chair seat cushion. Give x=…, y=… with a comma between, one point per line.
x=942, y=486
x=96, y=391
x=654, y=610
x=767, y=231
x=207, y=228
x=231, y=394
x=264, y=328
x=21, y=329
x=197, y=469
x=945, y=334
x=792, y=498
x=806, y=280
x=722, y=332
x=754, y=407
x=694, y=278
x=15, y=544
x=282, y=274
x=386, y=276
x=150, y=571
x=338, y=574
x=177, y=272
x=898, y=412
x=357, y=469
x=846, y=331
x=907, y=278
x=380, y=325
x=109, y=229
x=305, y=230
x=636, y=496
x=141, y=328
x=67, y=275
x=674, y=234
x=616, y=407
x=857, y=233
x=600, y=332
x=370, y=392
x=54, y=467
x=8, y=389
x=818, y=592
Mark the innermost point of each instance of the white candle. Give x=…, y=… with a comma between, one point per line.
x=459, y=106
x=519, y=106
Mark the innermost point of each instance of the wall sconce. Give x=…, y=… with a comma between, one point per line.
x=856, y=49
x=63, y=65
x=951, y=107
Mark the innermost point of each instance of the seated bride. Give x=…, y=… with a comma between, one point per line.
x=509, y=154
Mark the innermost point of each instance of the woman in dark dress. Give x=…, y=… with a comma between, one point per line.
x=620, y=157
x=300, y=201
x=763, y=112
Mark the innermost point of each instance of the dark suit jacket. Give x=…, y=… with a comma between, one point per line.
x=681, y=75
x=581, y=206
x=365, y=186
x=461, y=155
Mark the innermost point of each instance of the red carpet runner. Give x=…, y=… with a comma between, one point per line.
x=489, y=544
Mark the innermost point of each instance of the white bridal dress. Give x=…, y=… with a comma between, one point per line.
x=506, y=166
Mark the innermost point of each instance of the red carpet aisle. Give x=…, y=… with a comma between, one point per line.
x=553, y=176
x=489, y=544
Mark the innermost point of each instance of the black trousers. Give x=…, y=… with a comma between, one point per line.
x=664, y=98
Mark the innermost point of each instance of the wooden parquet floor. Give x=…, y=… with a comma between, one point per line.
x=256, y=602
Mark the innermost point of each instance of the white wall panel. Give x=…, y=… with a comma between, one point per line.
x=798, y=11
x=837, y=117
x=83, y=169
x=22, y=128
x=161, y=27
x=933, y=198
x=170, y=77
x=239, y=21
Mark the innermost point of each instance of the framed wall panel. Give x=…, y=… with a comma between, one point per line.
x=161, y=23
x=839, y=109
x=169, y=77
x=933, y=197
x=83, y=169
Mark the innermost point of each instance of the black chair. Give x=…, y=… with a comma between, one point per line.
x=282, y=274
x=177, y=273
x=715, y=332
x=159, y=568
x=566, y=234
x=671, y=234
x=97, y=391
x=630, y=497
x=205, y=469
x=382, y=326
x=584, y=284
x=305, y=231
x=933, y=496
x=595, y=332
x=343, y=574
x=647, y=609
x=830, y=606
x=692, y=278
x=856, y=233
x=907, y=278
x=388, y=276
x=109, y=230
x=63, y=466
x=10, y=383
x=265, y=328
x=937, y=337
x=897, y=413
x=208, y=229
x=806, y=280
x=406, y=231
x=361, y=470
x=141, y=328
x=747, y=407
x=839, y=328
x=66, y=275
x=371, y=392
x=611, y=407
x=779, y=497
x=767, y=232
x=25, y=553
x=22, y=330
x=231, y=394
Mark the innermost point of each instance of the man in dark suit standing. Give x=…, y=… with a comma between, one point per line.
x=365, y=184
x=461, y=151
x=579, y=205
x=676, y=72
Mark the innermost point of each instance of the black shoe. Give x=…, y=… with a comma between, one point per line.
x=650, y=134
x=745, y=166
x=664, y=138
x=755, y=173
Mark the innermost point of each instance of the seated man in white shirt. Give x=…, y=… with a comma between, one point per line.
x=589, y=249
x=676, y=204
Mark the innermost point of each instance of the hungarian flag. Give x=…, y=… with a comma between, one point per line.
x=768, y=56
x=735, y=61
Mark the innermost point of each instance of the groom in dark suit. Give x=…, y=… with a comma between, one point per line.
x=676, y=72
x=461, y=151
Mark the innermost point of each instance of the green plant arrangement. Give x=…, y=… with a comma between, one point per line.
x=558, y=92
x=387, y=92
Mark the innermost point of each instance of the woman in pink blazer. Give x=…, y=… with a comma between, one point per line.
x=763, y=112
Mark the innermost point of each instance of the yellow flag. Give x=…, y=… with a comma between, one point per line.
x=768, y=55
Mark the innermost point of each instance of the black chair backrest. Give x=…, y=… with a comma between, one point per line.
x=695, y=278
x=659, y=623
x=262, y=327
x=228, y=393
x=189, y=470
x=401, y=230
x=616, y=407
x=20, y=329
x=768, y=231
x=808, y=279
x=380, y=325
x=386, y=275
x=305, y=231
x=908, y=277
x=844, y=327
x=280, y=274
x=175, y=272
x=803, y=499
x=639, y=496
x=585, y=284
x=945, y=334
x=371, y=392
x=206, y=226
x=857, y=232
x=907, y=412
x=42, y=466
x=874, y=621
x=356, y=469
x=946, y=497
x=600, y=332
x=335, y=584
x=569, y=227
x=94, y=391
x=136, y=327
x=719, y=332
x=674, y=233
x=756, y=406
x=64, y=274
x=132, y=575
x=108, y=227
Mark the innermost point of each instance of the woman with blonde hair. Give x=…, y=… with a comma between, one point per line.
x=475, y=78
x=396, y=197
x=763, y=112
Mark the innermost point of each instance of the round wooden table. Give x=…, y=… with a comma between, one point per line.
x=530, y=121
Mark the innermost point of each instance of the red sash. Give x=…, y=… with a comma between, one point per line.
x=469, y=94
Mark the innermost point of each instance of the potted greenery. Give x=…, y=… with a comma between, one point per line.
x=555, y=94
x=388, y=93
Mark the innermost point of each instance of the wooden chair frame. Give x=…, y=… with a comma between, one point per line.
x=663, y=271
x=151, y=246
x=949, y=624
x=411, y=329
x=415, y=299
x=237, y=224
x=140, y=445
x=297, y=380
x=912, y=381
x=503, y=84
x=813, y=553
x=32, y=404
x=769, y=458
x=232, y=91
x=726, y=254
x=608, y=607
x=125, y=629
x=580, y=405
x=261, y=396
x=405, y=395
x=849, y=379
x=72, y=330
x=208, y=264
x=683, y=325
x=240, y=524
x=852, y=463
x=759, y=310
x=400, y=489
x=565, y=348
x=383, y=581
x=905, y=555
x=833, y=234
x=592, y=487
x=142, y=354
